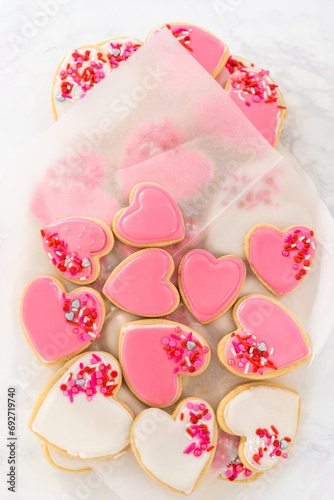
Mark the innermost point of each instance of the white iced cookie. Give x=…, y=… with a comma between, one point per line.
x=266, y=416
x=77, y=412
x=64, y=462
x=177, y=449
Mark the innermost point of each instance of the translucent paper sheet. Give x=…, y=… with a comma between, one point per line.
x=160, y=117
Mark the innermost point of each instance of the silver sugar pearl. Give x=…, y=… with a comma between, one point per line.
x=85, y=262
x=81, y=382
x=76, y=303
x=191, y=345
x=262, y=347
x=116, y=52
x=69, y=315
x=60, y=98
x=284, y=444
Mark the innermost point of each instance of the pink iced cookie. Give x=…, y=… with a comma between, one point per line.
x=258, y=97
x=153, y=218
x=141, y=284
x=269, y=341
x=79, y=71
x=155, y=353
x=57, y=325
x=119, y=50
x=209, y=286
x=72, y=190
x=280, y=259
x=75, y=245
x=182, y=172
x=205, y=47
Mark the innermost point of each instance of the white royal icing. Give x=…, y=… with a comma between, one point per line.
x=85, y=429
x=65, y=461
x=161, y=441
x=260, y=407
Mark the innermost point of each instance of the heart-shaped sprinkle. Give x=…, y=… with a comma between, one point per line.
x=154, y=353
x=67, y=409
x=141, y=284
x=177, y=450
x=152, y=218
x=55, y=332
x=284, y=444
x=262, y=347
x=75, y=245
x=209, y=286
x=76, y=303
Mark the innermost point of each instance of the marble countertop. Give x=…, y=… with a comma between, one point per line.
x=292, y=38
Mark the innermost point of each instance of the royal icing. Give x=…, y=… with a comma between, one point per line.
x=182, y=172
x=120, y=49
x=255, y=93
x=153, y=355
x=141, y=284
x=271, y=339
x=226, y=462
x=79, y=72
x=176, y=450
x=71, y=245
x=153, y=218
x=59, y=325
x=205, y=47
x=281, y=260
x=210, y=285
x=79, y=415
x=268, y=418
x=65, y=461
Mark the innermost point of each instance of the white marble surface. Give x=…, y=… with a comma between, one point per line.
x=291, y=38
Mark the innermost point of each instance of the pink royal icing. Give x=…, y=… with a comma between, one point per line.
x=210, y=285
x=205, y=47
x=152, y=217
x=71, y=243
x=141, y=285
x=271, y=339
x=282, y=260
x=256, y=95
x=58, y=325
x=153, y=355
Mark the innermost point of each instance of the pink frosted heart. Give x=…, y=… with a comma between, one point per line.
x=210, y=285
x=152, y=217
x=150, y=369
x=141, y=284
x=183, y=173
x=274, y=332
x=273, y=261
x=51, y=334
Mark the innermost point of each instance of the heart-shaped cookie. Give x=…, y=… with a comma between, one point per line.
x=141, y=284
x=64, y=462
x=77, y=412
x=75, y=245
x=57, y=325
x=209, y=286
x=176, y=450
x=153, y=218
x=269, y=341
x=182, y=172
x=206, y=48
x=258, y=97
x=154, y=354
x=266, y=416
x=280, y=259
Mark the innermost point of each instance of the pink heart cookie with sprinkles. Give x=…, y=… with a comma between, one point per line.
x=154, y=355
x=75, y=245
x=79, y=72
x=141, y=284
x=153, y=218
x=258, y=97
x=176, y=450
x=280, y=259
x=77, y=413
x=208, y=50
x=268, y=343
x=210, y=286
x=57, y=325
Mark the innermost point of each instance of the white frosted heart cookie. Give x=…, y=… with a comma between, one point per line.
x=177, y=449
x=266, y=416
x=78, y=414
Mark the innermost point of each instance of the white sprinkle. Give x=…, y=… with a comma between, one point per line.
x=247, y=367
x=271, y=351
x=182, y=336
x=269, y=90
x=85, y=319
x=49, y=255
x=251, y=349
x=263, y=362
x=308, y=241
x=92, y=334
x=94, y=326
x=307, y=257
x=70, y=265
x=240, y=96
x=302, y=238
x=188, y=361
x=58, y=253
x=252, y=90
x=313, y=245
x=110, y=382
x=253, y=337
x=83, y=278
x=81, y=312
x=307, y=268
x=293, y=245
x=233, y=351
x=265, y=95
